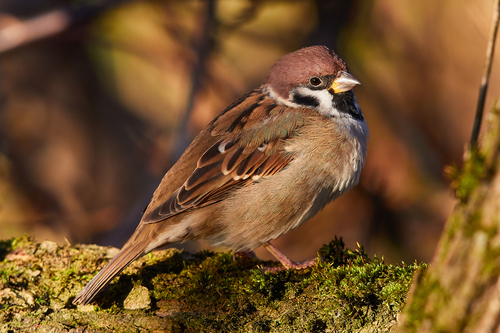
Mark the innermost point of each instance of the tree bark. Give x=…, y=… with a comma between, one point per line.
x=461, y=290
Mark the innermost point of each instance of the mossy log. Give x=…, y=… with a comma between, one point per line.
x=461, y=290
x=174, y=291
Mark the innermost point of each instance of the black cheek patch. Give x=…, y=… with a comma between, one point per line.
x=305, y=100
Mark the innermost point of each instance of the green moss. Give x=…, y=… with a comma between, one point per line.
x=473, y=224
x=345, y=292
x=466, y=179
x=5, y=247
x=205, y=291
x=419, y=309
x=491, y=267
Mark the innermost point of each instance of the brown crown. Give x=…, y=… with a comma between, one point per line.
x=297, y=67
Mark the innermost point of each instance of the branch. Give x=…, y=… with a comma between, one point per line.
x=486, y=76
x=15, y=32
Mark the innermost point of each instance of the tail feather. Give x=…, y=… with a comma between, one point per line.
x=113, y=268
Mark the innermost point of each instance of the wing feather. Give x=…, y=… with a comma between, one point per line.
x=251, y=146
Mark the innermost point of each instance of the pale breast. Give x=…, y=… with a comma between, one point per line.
x=328, y=161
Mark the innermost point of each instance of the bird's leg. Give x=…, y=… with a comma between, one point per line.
x=285, y=261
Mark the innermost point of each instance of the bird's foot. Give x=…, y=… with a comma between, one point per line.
x=292, y=265
x=285, y=261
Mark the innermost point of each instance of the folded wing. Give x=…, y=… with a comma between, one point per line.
x=252, y=136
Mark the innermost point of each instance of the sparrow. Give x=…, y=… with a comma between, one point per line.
x=265, y=165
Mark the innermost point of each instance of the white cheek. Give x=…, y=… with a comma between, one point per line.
x=324, y=98
x=279, y=99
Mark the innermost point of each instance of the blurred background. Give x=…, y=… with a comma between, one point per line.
x=99, y=98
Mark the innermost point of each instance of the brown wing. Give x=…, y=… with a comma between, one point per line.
x=252, y=135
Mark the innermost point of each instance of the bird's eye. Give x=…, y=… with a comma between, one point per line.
x=315, y=81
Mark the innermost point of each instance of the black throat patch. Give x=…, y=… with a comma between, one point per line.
x=346, y=102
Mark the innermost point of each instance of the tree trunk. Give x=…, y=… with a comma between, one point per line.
x=461, y=290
